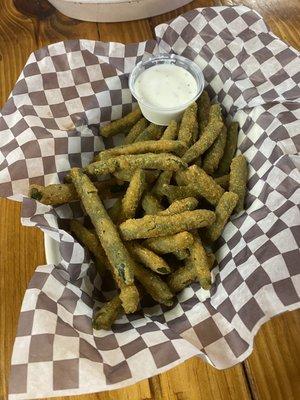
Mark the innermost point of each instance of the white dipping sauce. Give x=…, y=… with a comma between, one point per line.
x=164, y=86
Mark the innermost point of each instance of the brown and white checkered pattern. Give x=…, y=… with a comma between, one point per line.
x=67, y=86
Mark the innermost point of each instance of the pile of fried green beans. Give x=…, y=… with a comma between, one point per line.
x=175, y=190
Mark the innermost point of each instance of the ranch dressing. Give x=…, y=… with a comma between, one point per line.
x=164, y=91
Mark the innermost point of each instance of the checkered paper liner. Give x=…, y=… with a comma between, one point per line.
x=48, y=126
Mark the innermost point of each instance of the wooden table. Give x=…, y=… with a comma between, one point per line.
x=273, y=370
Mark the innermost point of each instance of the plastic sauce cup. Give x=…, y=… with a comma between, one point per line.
x=159, y=114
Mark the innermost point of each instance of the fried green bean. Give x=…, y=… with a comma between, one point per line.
x=200, y=262
x=238, y=179
x=129, y=296
x=170, y=132
x=152, y=132
x=205, y=185
x=207, y=138
x=182, y=254
x=223, y=211
x=186, y=275
x=117, y=254
x=230, y=149
x=163, y=225
x=171, y=243
x=127, y=174
x=136, y=130
x=62, y=193
x=179, y=206
x=90, y=240
x=182, y=277
x=162, y=161
x=107, y=314
x=187, y=125
x=203, y=111
x=149, y=259
x=223, y=181
x=154, y=285
x=151, y=204
x=195, y=136
x=163, y=179
x=149, y=146
x=174, y=193
x=133, y=195
x=122, y=125
x=115, y=212
x=215, y=153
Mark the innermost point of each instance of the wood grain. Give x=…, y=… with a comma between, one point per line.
x=272, y=371
x=125, y=32
x=274, y=365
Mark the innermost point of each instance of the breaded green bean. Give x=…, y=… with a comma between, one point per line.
x=122, y=125
x=148, y=258
x=171, y=243
x=129, y=296
x=133, y=195
x=195, y=136
x=151, y=204
x=179, y=206
x=182, y=254
x=55, y=194
x=200, y=262
x=115, y=249
x=230, y=149
x=182, y=277
x=164, y=178
x=223, y=181
x=215, y=153
x=205, y=185
x=207, y=138
x=127, y=174
x=238, y=179
x=117, y=254
x=203, y=111
x=174, y=193
x=137, y=129
x=186, y=275
x=67, y=178
x=108, y=313
x=223, y=211
x=90, y=240
x=170, y=132
x=163, y=225
x=211, y=259
x=154, y=285
x=115, y=212
x=187, y=125
x=149, y=146
x=62, y=193
x=162, y=161
x=152, y=132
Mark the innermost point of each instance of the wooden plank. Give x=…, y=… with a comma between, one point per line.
x=58, y=27
x=21, y=252
x=17, y=42
x=196, y=380
x=21, y=248
x=274, y=365
x=125, y=32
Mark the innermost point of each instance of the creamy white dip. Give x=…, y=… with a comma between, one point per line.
x=164, y=87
